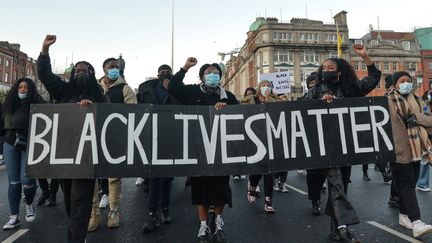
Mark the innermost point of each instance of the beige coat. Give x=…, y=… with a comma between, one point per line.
x=128, y=93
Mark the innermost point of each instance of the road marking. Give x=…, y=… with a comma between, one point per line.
x=297, y=190
x=394, y=232
x=15, y=236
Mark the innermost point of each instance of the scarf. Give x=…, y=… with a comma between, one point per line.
x=418, y=136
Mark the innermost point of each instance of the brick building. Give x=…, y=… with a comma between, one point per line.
x=299, y=47
x=424, y=39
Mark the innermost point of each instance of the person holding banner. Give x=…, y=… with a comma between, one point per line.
x=15, y=123
x=264, y=95
x=337, y=79
x=82, y=89
x=206, y=190
x=410, y=122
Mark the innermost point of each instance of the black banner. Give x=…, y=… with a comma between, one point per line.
x=120, y=140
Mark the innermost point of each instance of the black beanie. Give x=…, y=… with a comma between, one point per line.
x=398, y=75
x=205, y=66
x=164, y=67
x=388, y=81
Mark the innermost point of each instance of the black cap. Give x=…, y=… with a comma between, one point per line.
x=164, y=67
x=205, y=66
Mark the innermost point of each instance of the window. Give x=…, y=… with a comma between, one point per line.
x=386, y=66
x=309, y=56
x=374, y=42
x=391, y=42
x=7, y=63
x=406, y=66
x=309, y=36
x=355, y=66
x=282, y=56
x=406, y=45
x=0, y=60
x=358, y=42
x=282, y=36
x=430, y=66
x=395, y=66
x=333, y=55
x=363, y=66
x=331, y=37
x=6, y=77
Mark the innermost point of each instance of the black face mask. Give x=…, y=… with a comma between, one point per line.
x=81, y=79
x=162, y=77
x=330, y=77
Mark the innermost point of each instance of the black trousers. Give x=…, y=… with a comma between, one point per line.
x=78, y=197
x=51, y=188
x=314, y=180
x=159, y=193
x=405, y=176
x=268, y=183
x=103, y=185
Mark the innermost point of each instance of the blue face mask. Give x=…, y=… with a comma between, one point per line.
x=113, y=73
x=405, y=88
x=212, y=79
x=22, y=96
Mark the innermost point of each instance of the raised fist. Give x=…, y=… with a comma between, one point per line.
x=190, y=62
x=49, y=40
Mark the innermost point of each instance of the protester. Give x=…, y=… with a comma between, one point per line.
x=206, y=190
x=337, y=79
x=117, y=91
x=14, y=127
x=155, y=91
x=409, y=123
x=264, y=95
x=84, y=90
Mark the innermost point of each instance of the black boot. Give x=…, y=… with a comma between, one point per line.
x=152, y=223
x=42, y=198
x=316, y=210
x=346, y=236
x=334, y=232
x=165, y=216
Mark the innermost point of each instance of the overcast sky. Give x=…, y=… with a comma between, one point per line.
x=141, y=29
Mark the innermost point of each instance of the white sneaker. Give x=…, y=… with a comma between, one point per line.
x=257, y=189
x=104, y=202
x=12, y=223
x=419, y=228
x=243, y=177
x=423, y=189
x=284, y=188
x=405, y=221
x=139, y=181
x=30, y=213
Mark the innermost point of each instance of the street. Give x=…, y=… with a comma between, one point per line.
x=292, y=222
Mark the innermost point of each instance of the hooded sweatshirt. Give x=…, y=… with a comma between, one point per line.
x=119, y=91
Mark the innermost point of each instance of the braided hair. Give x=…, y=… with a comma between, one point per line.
x=12, y=101
x=348, y=78
x=92, y=91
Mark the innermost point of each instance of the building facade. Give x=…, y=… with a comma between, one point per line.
x=391, y=51
x=299, y=47
x=424, y=39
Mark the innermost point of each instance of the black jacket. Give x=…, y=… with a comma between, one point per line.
x=193, y=95
x=60, y=91
x=146, y=94
x=361, y=87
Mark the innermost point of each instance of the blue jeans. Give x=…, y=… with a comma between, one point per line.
x=15, y=161
x=423, y=180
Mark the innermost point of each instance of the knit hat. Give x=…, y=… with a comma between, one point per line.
x=398, y=75
x=164, y=67
x=205, y=66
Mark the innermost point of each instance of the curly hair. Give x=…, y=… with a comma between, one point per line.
x=347, y=79
x=12, y=101
x=93, y=90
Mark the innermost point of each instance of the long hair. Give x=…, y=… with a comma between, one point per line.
x=347, y=79
x=251, y=89
x=93, y=90
x=12, y=102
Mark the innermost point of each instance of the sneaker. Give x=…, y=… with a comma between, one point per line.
x=387, y=177
x=324, y=187
x=366, y=177
x=284, y=188
x=113, y=219
x=258, y=190
x=139, y=181
x=243, y=177
x=12, y=223
x=393, y=202
x=236, y=177
x=30, y=213
x=316, y=209
x=277, y=185
x=165, y=216
x=219, y=235
x=268, y=208
x=405, y=221
x=42, y=198
x=423, y=189
x=152, y=223
x=94, y=221
x=251, y=195
x=301, y=172
x=419, y=228
x=346, y=236
x=104, y=202
x=203, y=234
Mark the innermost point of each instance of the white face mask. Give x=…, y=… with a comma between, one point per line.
x=264, y=90
x=405, y=88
